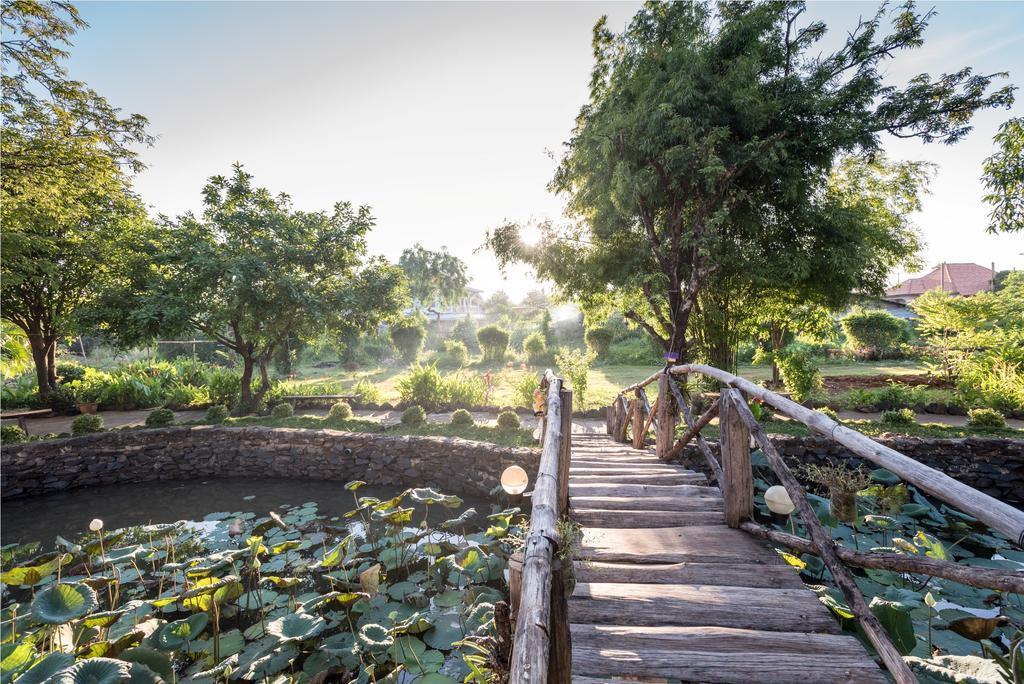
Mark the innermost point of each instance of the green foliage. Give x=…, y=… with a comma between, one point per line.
x=799, y=374
x=423, y=385
x=12, y=434
x=1003, y=175
x=508, y=420
x=874, y=334
x=524, y=388
x=367, y=392
x=61, y=399
x=414, y=415
x=671, y=194
x=633, y=351
x=462, y=417
x=898, y=417
x=599, y=340
x=985, y=418
x=493, y=341
x=463, y=389
x=86, y=424
x=457, y=353
x=224, y=386
x=465, y=330
x=536, y=349
x=408, y=335
x=282, y=410
x=434, y=277
x=69, y=371
x=340, y=411
x=216, y=414
x=545, y=328
x=574, y=364
x=160, y=417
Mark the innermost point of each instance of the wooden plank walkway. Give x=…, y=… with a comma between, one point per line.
x=665, y=591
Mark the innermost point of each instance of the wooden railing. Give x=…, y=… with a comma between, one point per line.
x=541, y=649
x=631, y=411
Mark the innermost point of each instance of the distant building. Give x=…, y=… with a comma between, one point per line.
x=957, y=279
x=447, y=315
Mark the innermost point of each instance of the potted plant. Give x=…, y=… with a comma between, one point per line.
x=87, y=396
x=843, y=484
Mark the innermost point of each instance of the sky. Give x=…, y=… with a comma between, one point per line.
x=447, y=118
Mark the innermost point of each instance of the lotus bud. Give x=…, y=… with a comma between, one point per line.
x=96, y=525
x=929, y=599
x=778, y=501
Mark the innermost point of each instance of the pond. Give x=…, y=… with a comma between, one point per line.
x=43, y=518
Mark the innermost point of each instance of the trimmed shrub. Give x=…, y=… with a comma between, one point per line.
x=367, y=392
x=536, y=349
x=282, y=410
x=458, y=353
x=465, y=330
x=216, y=414
x=903, y=417
x=493, y=341
x=462, y=417
x=340, y=411
x=69, y=371
x=408, y=336
x=160, y=417
x=985, y=418
x=414, y=415
x=599, y=340
x=86, y=424
x=874, y=334
x=799, y=374
x=12, y=434
x=508, y=420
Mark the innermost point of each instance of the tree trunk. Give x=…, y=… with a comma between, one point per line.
x=264, y=362
x=40, y=358
x=51, y=363
x=246, y=402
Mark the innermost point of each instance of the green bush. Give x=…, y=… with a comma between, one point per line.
x=61, y=399
x=900, y=395
x=463, y=390
x=408, y=336
x=160, y=417
x=462, y=417
x=874, y=334
x=69, y=371
x=574, y=365
x=633, y=351
x=216, y=414
x=830, y=412
x=12, y=434
x=340, y=411
x=465, y=330
x=903, y=417
x=493, y=341
x=87, y=423
x=508, y=420
x=536, y=349
x=366, y=392
x=414, y=415
x=457, y=352
x=422, y=385
x=985, y=418
x=799, y=374
x=224, y=386
x=282, y=410
x=599, y=340
x=180, y=395
x=523, y=390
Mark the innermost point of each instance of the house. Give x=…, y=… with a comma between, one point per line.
x=447, y=315
x=963, y=279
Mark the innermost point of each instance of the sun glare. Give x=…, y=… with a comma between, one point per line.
x=530, y=235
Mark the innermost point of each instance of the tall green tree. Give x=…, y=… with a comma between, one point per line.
x=66, y=205
x=709, y=141
x=434, y=277
x=252, y=271
x=1003, y=175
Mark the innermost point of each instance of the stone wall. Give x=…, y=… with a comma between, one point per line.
x=449, y=464
x=992, y=465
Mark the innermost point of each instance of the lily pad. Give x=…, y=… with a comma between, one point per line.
x=94, y=671
x=296, y=627
x=447, y=630
x=62, y=603
x=375, y=638
x=45, y=667
x=176, y=634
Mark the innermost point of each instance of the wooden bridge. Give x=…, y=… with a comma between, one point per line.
x=672, y=578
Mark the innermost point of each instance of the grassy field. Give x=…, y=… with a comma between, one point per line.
x=603, y=382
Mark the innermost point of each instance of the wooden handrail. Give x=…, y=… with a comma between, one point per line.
x=994, y=513
x=534, y=631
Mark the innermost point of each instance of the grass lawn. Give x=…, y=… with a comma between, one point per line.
x=603, y=382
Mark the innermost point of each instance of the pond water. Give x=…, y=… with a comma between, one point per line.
x=42, y=518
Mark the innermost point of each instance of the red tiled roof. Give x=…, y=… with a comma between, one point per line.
x=962, y=279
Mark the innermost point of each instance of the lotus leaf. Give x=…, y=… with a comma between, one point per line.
x=354, y=485
x=897, y=623
x=463, y=520
x=375, y=638
x=434, y=678
x=208, y=590
x=429, y=661
x=431, y=497
x=914, y=510
x=369, y=579
x=156, y=661
x=450, y=599
x=43, y=669
x=31, y=575
x=283, y=582
x=407, y=648
x=885, y=477
x=479, y=617
x=176, y=634
x=447, y=630
x=62, y=603
x=397, y=516
x=266, y=664
x=296, y=627
x=932, y=546
x=15, y=659
x=104, y=619
x=286, y=546
x=400, y=590
x=94, y=671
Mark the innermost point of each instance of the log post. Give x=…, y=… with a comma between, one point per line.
x=609, y=418
x=638, y=421
x=666, y=418
x=560, y=655
x=565, y=457
x=738, y=484
x=622, y=419
x=515, y=583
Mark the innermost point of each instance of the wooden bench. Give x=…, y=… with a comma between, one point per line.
x=23, y=416
x=317, y=398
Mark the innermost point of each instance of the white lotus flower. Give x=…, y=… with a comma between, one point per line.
x=96, y=525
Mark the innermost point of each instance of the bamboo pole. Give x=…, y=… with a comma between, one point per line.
x=532, y=646
x=825, y=547
x=984, y=578
x=702, y=443
x=639, y=385
x=994, y=513
x=738, y=485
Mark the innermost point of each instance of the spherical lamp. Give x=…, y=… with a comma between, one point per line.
x=514, y=480
x=778, y=501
